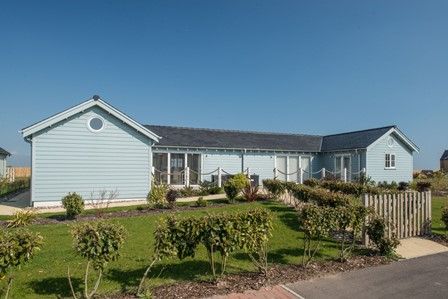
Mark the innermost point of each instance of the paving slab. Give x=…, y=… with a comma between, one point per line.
x=418, y=247
x=276, y=292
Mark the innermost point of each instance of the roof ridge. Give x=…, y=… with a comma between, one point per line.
x=236, y=131
x=358, y=131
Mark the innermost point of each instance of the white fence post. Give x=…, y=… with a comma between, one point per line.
x=323, y=173
x=219, y=177
x=275, y=173
x=187, y=176
x=301, y=175
x=248, y=172
x=345, y=174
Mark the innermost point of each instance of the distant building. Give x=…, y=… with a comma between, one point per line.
x=3, y=155
x=444, y=161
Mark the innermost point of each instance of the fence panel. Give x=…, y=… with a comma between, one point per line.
x=407, y=214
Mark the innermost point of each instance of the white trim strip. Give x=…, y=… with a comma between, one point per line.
x=291, y=291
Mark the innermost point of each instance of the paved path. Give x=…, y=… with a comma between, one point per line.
x=417, y=247
x=424, y=277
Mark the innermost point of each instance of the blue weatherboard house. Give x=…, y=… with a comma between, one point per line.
x=94, y=146
x=3, y=155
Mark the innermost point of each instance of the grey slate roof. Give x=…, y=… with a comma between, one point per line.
x=353, y=140
x=445, y=155
x=210, y=138
x=4, y=152
x=193, y=137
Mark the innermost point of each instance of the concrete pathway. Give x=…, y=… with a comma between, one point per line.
x=424, y=277
x=418, y=247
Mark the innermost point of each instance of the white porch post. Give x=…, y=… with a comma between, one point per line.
x=345, y=174
x=187, y=176
x=275, y=172
x=323, y=173
x=219, y=177
x=168, y=169
x=301, y=175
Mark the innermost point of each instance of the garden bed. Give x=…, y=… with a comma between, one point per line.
x=123, y=213
x=277, y=274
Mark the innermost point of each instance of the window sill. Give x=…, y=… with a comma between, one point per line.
x=390, y=168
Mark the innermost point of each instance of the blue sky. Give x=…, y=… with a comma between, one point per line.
x=315, y=67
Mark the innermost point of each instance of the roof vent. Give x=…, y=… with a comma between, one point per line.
x=96, y=97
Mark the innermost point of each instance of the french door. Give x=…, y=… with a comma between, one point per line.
x=342, y=162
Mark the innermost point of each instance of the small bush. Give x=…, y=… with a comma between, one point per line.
x=231, y=191
x=17, y=247
x=377, y=233
x=188, y=192
x=311, y=182
x=275, y=187
x=250, y=193
x=98, y=242
x=22, y=218
x=239, y=180
x=403, y=186
x=209, y=188
x=201, y=202
x=445, y=217
x=157, y=195
x=423, y=186
x=8, y=188
x=73, y=204
x=171, y=197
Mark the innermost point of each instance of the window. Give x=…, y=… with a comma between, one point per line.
x=96, y=124
x=160, y=164
x=389, y=161
x=193, y=161
x=175, y=164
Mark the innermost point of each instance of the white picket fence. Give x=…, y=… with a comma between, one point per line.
x=408, y=214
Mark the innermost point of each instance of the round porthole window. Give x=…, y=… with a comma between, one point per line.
x=390, y=142
x=96, y=124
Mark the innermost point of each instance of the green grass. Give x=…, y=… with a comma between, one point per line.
x=45, y=276
x=438, y=227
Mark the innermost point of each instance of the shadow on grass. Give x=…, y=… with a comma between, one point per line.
x=284, y=213
x=179, y=271
x=57, y=286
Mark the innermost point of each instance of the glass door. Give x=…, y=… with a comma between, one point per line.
x=193, y=161
x=342, y=162
x=177, y=164
x=346, y=165
x=293, y=169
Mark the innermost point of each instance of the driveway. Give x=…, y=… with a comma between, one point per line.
x=424, y=277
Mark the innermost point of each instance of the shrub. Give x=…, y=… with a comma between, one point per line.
x=445, y=217
x=250, y=193
x=171, y=197
x=275, y=187
x=157, y=195
x=311, y=182
x=220, y=233
x=7, y=187
x=17, y=247
x=207, y=188
x=319, y=196
x=231, y=190
x=377, y=233
x=188, y=191
x=423, y=186
x=316, y=223
x=201, y=202
x=73, y=204
x=403, y=186
x=239, y=180
x=389, y=186
x=98, y=242
x=22, y=218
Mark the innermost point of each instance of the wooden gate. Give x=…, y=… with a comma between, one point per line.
x=408, y=214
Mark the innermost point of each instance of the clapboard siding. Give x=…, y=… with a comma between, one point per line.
x=69, y=157
x=376, y=161
x=2, y=166
x=261, y=165
x=357, y=159
x=229, y=162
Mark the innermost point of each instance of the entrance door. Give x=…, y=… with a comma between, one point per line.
x=342, y=162
x=177, y=164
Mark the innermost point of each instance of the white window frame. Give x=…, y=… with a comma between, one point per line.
x=392, y=157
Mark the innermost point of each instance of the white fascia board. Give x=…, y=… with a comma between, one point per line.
x=28, y=131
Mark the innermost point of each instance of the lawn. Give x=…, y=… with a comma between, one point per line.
x=45, y=275
x=438, y=227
